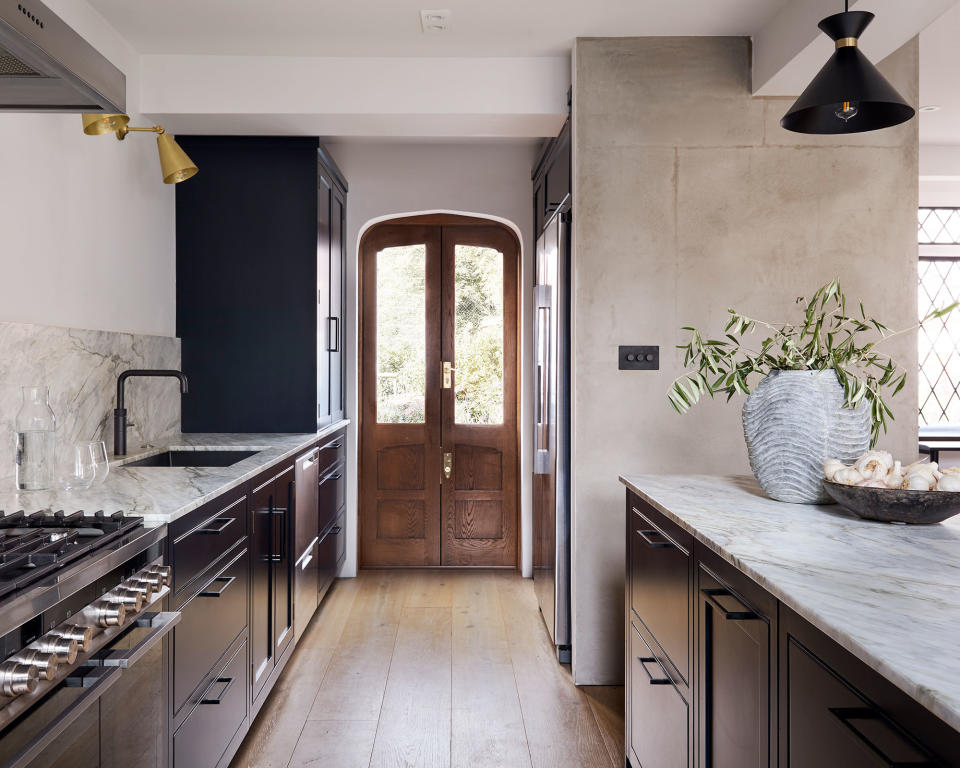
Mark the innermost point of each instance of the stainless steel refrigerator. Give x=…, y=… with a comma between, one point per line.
x=551, y=462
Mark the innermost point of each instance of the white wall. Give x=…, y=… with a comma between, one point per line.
x=88, y=225
x=483, y=178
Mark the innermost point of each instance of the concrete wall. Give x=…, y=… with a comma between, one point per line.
x=88, y=224
x=487, y=178
x=690, y=199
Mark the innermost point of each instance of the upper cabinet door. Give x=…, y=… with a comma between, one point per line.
x=324, y=213
x=338, y=221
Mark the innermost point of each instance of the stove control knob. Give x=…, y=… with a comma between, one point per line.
x=148, y=577
x=17, y=679
x=144, y=588
x=46, y=663
x=132, y=600
x=110, y=613
x=165, y=572
x=65, y=647
x=83, y=636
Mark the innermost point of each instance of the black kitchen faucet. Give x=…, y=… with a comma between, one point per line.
x=120, y=413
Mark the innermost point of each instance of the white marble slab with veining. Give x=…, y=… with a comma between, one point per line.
x=890, y=594
x=164, y=494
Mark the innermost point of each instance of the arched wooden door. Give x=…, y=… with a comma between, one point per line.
x=438, y=432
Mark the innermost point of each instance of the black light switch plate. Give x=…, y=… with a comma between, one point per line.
x=639, y=358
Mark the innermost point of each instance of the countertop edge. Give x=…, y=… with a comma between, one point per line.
x=919, y=693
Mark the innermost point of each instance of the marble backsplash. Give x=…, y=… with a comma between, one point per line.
x=80, y=367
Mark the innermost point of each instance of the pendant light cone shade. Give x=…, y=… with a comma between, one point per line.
x=849, y=95
x=175, y=165
x=97, y=125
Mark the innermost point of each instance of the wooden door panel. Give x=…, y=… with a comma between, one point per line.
x=480, y=504
x=401, y=468
x=400, y=461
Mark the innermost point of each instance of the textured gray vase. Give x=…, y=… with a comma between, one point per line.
x=793, y=422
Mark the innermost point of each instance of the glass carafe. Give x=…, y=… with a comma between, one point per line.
x=36, y=425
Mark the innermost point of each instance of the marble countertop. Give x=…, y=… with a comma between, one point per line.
x=890, y=594
x=163, y=494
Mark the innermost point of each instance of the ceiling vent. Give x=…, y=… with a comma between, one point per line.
x=435, y=21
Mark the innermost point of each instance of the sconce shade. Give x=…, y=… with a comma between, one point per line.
x=175, y=165
x=848, y=95
x=96, y=124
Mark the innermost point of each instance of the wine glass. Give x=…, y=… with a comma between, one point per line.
x=76, y=468
x=98, y=449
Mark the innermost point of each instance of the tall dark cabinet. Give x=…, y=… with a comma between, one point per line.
x=261, y=254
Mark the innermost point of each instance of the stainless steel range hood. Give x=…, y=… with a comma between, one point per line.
x=47, y=67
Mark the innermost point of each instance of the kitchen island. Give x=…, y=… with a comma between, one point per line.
x=728, y=588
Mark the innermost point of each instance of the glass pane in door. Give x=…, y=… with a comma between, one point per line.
x=478, y=335
x=401, y=334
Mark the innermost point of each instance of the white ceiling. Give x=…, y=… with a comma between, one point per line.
x=392, y=27
x=939, y=84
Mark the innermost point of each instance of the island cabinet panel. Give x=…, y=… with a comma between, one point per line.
x=659, y=666
x=661, y=580
x=835, y=711
x=659, y=712
x=736, y=652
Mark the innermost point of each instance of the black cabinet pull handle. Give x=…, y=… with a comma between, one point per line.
x=745, y=615
x=645, y=535
x=332, y=476
x=846, y=714
x=224, y=524
x=335, y=530
x=227, y=682
x=278, y=557
x=333, y=337
x=227, y=581
x=335, y=443
x=644, y=660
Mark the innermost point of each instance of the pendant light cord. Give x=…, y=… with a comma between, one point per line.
x=846, y=6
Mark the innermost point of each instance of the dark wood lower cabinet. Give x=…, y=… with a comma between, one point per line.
x=659, y=712
x=736, y=624
x=234, y=576
x=768, y=690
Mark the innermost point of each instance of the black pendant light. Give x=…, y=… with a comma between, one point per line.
x=848, y=95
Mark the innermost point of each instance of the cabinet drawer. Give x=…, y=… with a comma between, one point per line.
x=659, y=715
x=216, y=532
x=331, y=552
x=829, y=725
x=332, y=452
x=660, y=584
x=210, y=623
x=205, y=735
x=332, y=494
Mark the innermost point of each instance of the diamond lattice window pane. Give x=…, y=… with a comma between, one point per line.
x=938, y=342
x=938, y=226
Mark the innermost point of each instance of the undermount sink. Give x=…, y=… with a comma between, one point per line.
x=224, y=458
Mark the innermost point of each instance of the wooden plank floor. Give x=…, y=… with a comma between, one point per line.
x=432, y=669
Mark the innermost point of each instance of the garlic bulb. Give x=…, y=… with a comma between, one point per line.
x=949, y=482
x=872, y=484
x=874, y=464
x=831, y=467
x=848, y=476
x=919, y=481
x=895, y=478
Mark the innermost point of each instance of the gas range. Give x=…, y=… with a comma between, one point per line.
x=83, y=616
x=34, y=545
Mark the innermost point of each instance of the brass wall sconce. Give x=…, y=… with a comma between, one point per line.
x=175, y=165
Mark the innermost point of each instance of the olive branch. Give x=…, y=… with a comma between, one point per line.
x=828, y=338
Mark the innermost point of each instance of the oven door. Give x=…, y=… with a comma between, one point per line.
x=111, y=712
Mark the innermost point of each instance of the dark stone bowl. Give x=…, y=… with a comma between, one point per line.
x=892, y=506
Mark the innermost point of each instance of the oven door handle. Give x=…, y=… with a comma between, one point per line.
x=161, y=623
x=53, y=731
